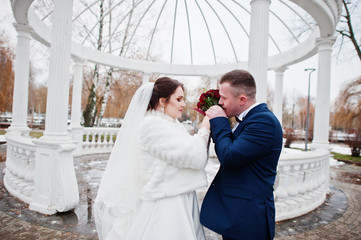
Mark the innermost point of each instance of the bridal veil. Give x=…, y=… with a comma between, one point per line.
x=118, y=193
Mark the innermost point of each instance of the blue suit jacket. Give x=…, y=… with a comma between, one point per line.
x=239, y=203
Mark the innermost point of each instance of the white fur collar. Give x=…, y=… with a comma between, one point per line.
x=162, y=115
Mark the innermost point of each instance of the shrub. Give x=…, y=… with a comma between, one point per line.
x=290, y=136
x=354, y=142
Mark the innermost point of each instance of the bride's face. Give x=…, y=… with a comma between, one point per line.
x=176, y=104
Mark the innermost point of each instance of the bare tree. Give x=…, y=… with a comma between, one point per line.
x=99, y=91
x=302, y=103
x=347, y=108
x=354, y=142
x=348, y=28
x=90, y=110
x=122, y=90
x=346, y=25
x=109, y=76
x=6, y=74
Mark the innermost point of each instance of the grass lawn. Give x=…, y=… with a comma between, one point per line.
x=36, y=134
x=33, y=134
x=347, y=158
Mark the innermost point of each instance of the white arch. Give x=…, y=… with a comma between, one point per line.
x=325, y=13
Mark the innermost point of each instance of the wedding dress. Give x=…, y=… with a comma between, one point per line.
x=175, y=218
x=148, y=188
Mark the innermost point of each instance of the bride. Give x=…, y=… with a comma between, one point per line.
x=148, y=188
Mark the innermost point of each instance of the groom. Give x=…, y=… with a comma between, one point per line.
x=239, y=203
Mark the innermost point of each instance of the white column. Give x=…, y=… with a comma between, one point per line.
x=213, y=83
x=278, y=101
x=59, y=71
x=322, y=109
x=75, y=129
x=258, y=46
x=77, y=90
x=146, y=77
x=56, y=188
x=21, y=82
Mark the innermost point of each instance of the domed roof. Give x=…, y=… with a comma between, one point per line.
x=189, y=33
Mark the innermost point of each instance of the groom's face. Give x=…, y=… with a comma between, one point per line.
x=228, y=100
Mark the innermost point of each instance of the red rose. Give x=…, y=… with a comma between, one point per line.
x=206, y=100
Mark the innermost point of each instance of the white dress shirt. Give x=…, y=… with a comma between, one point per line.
x=243, y=115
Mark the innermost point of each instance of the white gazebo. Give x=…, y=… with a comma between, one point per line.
x=41, y=173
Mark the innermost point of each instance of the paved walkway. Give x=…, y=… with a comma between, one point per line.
x=338, y=218
x=16, y=229
x=347, y=227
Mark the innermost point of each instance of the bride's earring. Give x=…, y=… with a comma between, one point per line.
x=161, y=105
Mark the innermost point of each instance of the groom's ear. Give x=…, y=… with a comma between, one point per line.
x=242, y=99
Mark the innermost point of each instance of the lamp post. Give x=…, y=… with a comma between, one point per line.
x=308, y=105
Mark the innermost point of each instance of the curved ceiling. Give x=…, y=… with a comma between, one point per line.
x=180, y=33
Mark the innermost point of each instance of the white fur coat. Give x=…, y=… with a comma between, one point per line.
x=172, y=161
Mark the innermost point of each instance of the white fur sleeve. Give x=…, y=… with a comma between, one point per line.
x=171, y=142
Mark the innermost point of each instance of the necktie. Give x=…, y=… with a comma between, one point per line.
x=237, y=119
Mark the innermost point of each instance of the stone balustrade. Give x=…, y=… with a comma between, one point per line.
x=301, y=183
x=96, y=140
x=20, y=166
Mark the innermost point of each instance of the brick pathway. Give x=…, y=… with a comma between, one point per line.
x=346, y=225
x=15, y=229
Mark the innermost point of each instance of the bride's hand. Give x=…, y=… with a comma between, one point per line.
x=205, y=123
x=215, y=111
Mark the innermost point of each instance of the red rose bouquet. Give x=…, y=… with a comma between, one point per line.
x=207, y=100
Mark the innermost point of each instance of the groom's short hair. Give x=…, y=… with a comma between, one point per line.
x=241, y=81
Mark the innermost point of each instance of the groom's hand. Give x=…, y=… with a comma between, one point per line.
x=215, y=111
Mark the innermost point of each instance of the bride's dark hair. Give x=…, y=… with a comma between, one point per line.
x=164, y=87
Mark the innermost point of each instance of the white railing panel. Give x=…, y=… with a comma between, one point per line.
x=301, y=183
x=97, y=140
x=20, y=166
